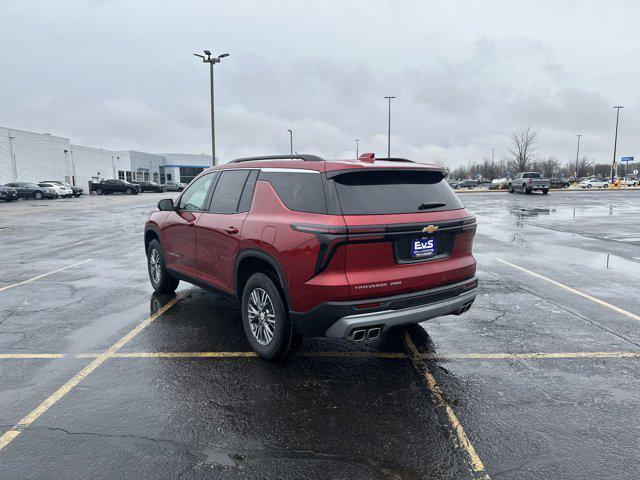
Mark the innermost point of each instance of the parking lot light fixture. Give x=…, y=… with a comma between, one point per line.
x=389, y=128
x=615, y=143
x=290, y=140
x=357, y=147
x=211, y=60
x=577, y=155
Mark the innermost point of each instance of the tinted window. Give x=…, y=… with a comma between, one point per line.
x=228, y=190
x=300, y=191
x=385, y=192
x=192, y=200
x=247, y=193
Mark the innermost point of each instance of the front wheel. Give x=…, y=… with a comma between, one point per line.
x=38, y=195
x=266, y=321
x=98, y=191
x=128, y=191
x=160, y=279
x=545, y=191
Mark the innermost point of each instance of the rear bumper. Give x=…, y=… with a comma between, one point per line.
x=341, y=319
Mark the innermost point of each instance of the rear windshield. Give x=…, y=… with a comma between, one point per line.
x=385, y=192
x=531, y=175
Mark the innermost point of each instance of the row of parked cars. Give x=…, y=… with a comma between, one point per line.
x=45, y=189
x=109, y=186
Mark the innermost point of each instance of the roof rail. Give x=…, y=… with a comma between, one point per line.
x=394, y=159
x=303, y=157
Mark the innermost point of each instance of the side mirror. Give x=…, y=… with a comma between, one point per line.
x=165, y=205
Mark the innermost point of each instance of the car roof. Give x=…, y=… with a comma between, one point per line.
x=310, y=162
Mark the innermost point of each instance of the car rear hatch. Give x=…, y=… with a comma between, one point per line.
x=406, y=231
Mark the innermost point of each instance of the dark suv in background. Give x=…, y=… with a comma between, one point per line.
x=342, y=249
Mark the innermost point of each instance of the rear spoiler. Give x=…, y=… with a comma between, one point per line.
x=440, y=170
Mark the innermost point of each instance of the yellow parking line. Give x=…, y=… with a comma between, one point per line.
x=31, y=355
x=33, y=279
x=9, y=436
x=528, y=356
x=574, y=291
x=330, y=354
x=439, y=400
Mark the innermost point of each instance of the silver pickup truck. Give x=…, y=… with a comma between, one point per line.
x=528, y=182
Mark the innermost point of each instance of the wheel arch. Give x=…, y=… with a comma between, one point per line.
x=248, y=262
x=151, y=233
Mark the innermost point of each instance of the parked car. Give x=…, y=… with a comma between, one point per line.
x=174, y=187
x=559, y=183
x=61, y=190
x=31, y=190
x=77, y=191
x=311, y=247
x=629, y=182
x=150, y=186
x=470, y=184
x=8, y=194
x=593, y=182
x=528, y=182
x=499, y=184
x=106, y=187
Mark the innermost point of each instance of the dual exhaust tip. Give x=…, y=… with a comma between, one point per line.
x=369, y=333
x=464, y=308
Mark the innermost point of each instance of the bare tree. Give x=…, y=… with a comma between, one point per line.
x=583, y=167
x=549, y=166
x=523, y=149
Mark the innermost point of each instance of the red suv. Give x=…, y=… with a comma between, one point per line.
x=312, y=247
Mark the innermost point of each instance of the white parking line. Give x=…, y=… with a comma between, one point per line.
x=574, y=291
x=33, y=279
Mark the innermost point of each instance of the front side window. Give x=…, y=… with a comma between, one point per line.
x=228, y=190
x=192, y=200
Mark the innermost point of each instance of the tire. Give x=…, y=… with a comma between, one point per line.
x=159, y=277
x=98, y=191
x=589, y=186
x=128, y=191
x=38, y=195
x=545, y=191
x=78, y=195
x=270, y=317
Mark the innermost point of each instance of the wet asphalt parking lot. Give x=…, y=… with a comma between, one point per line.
x=100, y=378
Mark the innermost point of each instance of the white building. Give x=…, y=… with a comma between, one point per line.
x=34, y=157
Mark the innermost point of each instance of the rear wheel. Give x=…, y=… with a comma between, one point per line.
x=266, y=321
x=128, y=191
x=161, y=280
x=38, y=195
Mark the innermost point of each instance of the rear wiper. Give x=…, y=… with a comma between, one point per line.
x=427, y=206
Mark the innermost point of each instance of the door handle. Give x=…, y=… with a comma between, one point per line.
x=231, y=230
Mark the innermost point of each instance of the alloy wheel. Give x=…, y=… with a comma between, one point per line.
x=262, y=319
x=154, y=266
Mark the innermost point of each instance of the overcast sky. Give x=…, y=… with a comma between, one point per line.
x=121, y=75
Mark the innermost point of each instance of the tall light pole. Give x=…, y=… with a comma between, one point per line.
x=207, y=58
x=290, y=141
x=615, y=143
x=577, y=156
x=357, y=147
x=389, y=129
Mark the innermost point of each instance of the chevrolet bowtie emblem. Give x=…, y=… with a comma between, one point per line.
x=430, y=229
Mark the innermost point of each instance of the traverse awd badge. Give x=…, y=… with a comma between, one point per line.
x=430, y=229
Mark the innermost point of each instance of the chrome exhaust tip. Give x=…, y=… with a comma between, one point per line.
x=358, y=335
x=373, y=333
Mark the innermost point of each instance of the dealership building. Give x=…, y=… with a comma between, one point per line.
x=34, y=157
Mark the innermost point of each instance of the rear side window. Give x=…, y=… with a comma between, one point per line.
x=299, y=191
x=226, y=196
x=388, y=192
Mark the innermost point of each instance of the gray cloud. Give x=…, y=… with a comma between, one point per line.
x=120, y=75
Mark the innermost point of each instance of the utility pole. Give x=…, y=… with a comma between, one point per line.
x=615, y=142
x=577, y=155
x=493, y=153
x=357, y=145
x=207, y=58
x=290, y=141
x=389, y=129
